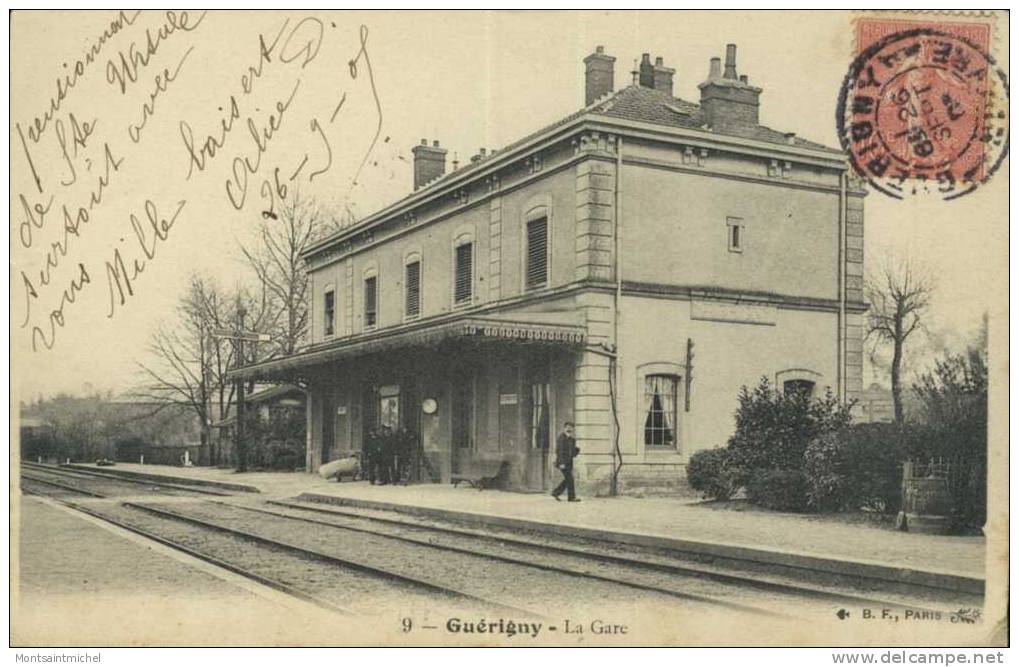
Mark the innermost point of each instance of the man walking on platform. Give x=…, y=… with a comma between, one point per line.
x=565, y=450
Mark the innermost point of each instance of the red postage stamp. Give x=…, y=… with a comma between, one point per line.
x=924, y=107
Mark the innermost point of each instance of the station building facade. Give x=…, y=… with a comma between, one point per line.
x=627, y=268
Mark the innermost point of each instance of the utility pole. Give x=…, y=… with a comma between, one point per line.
x=242, y=449
x=238, y=336
x=688, y=379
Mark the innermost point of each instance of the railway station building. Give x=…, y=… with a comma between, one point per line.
x=627, y=268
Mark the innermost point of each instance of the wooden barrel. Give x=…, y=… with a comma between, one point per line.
x=926, y=503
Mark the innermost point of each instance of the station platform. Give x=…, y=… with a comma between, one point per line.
x=81, y=582
x=721, y=529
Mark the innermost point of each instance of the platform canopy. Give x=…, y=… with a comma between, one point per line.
x=549, y=328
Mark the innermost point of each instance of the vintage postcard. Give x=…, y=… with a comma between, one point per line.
x=516, y=329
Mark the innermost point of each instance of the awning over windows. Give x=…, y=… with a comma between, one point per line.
x=550, y=328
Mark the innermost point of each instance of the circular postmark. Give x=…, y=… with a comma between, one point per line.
x=924, y=111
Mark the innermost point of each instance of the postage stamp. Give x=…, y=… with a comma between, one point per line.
x=924, y=107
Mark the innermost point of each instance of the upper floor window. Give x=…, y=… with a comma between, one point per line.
x=329, y=312
x=660, y=410
x=537, y=252
x=735, y=231
x=412, y=288
x=463, y=283
x=370, y=302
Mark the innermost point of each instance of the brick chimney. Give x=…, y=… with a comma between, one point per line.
x=663, y=77
x=727, y=99
x=646, y=72
x=429, y=163
x=598, y=78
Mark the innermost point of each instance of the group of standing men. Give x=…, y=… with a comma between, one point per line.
x=388, y=455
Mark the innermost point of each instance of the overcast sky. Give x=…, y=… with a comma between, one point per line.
x=466, y=79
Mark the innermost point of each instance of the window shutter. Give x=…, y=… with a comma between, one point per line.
x=413, y=304
x=369, y=302
x=537, y=252
x=330, y=309
x=462, y=285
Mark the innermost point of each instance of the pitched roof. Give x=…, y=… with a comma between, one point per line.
x=648, y=105
x=634, y=103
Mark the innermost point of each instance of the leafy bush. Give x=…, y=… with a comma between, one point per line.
x=875, y=453
x=773, y=428
x=283, y=456
x=856, y=468
x=954, y=399
x=782, y=490
x=275, y=443
x=829, y=480
x=711, y=472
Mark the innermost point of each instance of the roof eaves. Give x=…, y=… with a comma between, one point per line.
x=827, y=155
x=501, y=157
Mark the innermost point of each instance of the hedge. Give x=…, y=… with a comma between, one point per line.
x=712, y=472
x=782, y=490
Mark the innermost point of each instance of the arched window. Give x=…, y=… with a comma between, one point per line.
x=798, y=381
x=805, y=387
x=463, y=270
x=371, y=298
x=329, y=311
x=660, y=411
x=536, y=242
x=660, y=393
x=536, y=258
x=412, y=285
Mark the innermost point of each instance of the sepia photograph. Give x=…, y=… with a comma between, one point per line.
x=493, y=328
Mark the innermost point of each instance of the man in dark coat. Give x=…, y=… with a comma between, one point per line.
x=386, y=453
x=370, y=461
x=565, y=450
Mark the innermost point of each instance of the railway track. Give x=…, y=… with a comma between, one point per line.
x=518, y=580
x=364, y=561
x=345, y=585
x=589, y=559
x=39, y=471
x=39, y=487
x=94, y=488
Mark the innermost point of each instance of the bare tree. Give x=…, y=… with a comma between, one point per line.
x=899, y=294
x=275, y=258
x=189, y=364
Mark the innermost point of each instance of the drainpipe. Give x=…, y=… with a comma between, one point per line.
x=840, y=343
x=617, y=455
x=609, y=351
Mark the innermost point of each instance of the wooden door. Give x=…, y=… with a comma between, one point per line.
x=463, y=423
x=328, y=427
x=539, y=443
